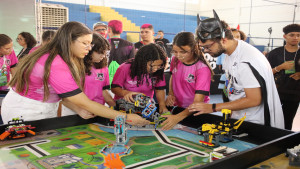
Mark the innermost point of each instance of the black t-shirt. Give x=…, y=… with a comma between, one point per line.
x=23, y=53
x=288, y=88
x=121, y=50
x=138, y=45
x=163, y=40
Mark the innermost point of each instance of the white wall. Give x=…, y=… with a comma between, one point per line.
x=263, y=13
x=16, y=17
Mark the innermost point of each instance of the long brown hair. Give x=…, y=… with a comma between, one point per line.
x=59, y=45
x=101, y=45
x=188, y=39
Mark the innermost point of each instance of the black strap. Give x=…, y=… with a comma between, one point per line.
x=262, y=83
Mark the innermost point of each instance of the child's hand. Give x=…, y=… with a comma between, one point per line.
x=170, y=101
x=128, y=97
x=136, y=120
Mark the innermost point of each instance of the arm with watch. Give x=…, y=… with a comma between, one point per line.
x=253, y=98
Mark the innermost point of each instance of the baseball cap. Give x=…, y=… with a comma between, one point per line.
x=99, y=24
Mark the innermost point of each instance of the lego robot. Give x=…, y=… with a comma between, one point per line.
x=120, y=130
x=17, y=129
x=220, y=132
x=144, y=106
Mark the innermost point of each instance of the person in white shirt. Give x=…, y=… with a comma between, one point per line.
x=249, y=85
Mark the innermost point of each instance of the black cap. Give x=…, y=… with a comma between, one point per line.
x=209, y=28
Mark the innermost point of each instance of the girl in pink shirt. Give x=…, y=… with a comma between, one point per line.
x=190, y=80
x=8, y=60
x=97, y=77
x=53, y=72
x=143, y=74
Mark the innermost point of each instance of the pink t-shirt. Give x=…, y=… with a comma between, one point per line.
x=188, y=80
x=122, y=79
x=61, y=83
x=96, y=83
x=11, y=61
x=33, y=49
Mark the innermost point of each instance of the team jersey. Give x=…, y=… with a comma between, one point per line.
x=61, y=83
x=96, y=83
x=11, y=61
x=188, y=80
x=122, y=79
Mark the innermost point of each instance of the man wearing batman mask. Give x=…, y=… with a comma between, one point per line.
x=249, y=85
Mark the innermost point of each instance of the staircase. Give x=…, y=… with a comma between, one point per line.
x=108, y=14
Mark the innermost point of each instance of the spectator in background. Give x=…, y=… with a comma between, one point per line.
x=100, y=28
x=266, y=53
x=46, y=37
x=238, y=34
x=285, y=63
x=121, y=50
x=27, y=41
x=147, y=36
x=160, y=38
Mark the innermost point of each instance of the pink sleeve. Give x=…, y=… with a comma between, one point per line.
x=13, y=59
x=203, y=80
x=61, y=79
x=106, y=83
x=119, y=77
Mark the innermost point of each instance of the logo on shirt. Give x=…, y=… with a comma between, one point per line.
x=132, y=82
x=8, y=62
x=174, y=70
x=100, y=76
x=153, y=80
x=116, y=44
x=190, y=78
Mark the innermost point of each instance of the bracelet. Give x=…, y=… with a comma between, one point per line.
x=214, y=107
x=276, y=69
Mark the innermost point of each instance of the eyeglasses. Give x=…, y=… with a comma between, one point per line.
x=19, y=39
x=86, y=45
x=206, y=47
x=100, y=30
x=158, y=67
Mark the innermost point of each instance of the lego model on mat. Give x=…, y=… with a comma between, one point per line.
x=220, y=132
x=17, y=129
x=143, y=106
x=120, y=131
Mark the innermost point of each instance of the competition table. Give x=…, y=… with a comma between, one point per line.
x=82, y=140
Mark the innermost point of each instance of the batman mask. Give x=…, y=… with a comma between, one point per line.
x=209, y=28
